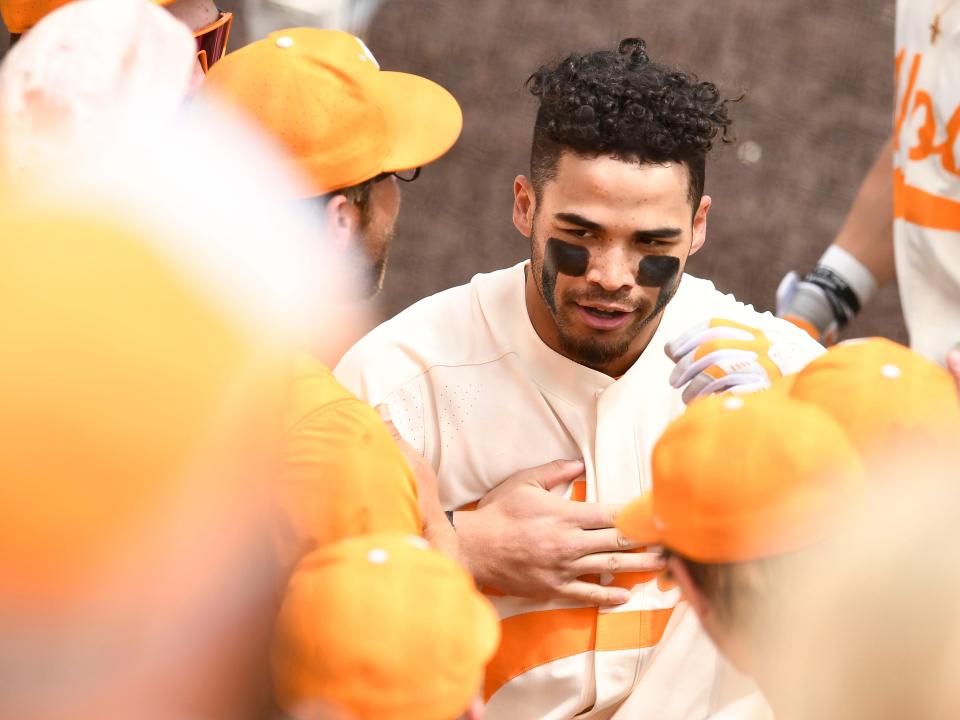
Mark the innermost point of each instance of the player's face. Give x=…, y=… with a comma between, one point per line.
x=609, y=241
x=378, y=220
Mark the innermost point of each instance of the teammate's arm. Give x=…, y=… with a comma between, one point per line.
x=859, y=261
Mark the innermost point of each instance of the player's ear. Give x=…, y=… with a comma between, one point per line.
x=524, y=205
x=700, y=224
x=343, y=221
x=690, y=590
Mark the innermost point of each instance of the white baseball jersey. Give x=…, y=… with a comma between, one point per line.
x=470, y=385
x=927, y=173
x=752, y=706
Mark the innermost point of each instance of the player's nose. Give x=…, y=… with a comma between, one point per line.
x=612, y=270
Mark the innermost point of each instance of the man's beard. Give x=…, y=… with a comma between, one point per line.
x=598, y=352
x=376, y=254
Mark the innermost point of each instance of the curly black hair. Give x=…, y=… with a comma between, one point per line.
x=623, y=105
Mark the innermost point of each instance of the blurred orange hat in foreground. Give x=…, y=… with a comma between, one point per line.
x=883, y=394
x=739, y=477
x=21, y=15
x=322, y=94
x=123, y=391
x=382, y=627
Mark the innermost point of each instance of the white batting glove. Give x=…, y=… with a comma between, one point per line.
x=724, y=356
x=827, y=298
x=805, y=304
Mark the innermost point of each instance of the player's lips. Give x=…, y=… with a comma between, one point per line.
x=603, y=317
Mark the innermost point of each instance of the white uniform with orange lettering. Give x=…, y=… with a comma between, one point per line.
x=470, y=384
x=927, y=173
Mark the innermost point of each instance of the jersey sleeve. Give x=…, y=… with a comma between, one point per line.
x=342, y=475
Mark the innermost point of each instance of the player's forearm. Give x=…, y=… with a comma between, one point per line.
x=867, y=232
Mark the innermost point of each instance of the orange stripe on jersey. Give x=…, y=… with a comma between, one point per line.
x=631, y=630
x=922, y=208
x=534, y=639
x=578, y=492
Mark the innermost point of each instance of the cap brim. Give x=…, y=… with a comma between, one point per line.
x=427, y=119
x=635, y=521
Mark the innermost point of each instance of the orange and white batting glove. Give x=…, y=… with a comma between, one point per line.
x=724, y=356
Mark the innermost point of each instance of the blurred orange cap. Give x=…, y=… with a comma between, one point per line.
x=21, y=15
x=383, y=627
x=738, y=477
x=116, y=379
x=883, y=394
x=322, y=94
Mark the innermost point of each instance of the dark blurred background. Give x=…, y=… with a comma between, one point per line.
x=817, y=83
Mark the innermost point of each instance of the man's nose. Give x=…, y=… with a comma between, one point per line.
x=612, y=270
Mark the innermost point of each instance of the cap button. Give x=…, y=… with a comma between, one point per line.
x=284, y=41
x=418, y=542
x=891, y=371
x=378, y=556
x=733, y=403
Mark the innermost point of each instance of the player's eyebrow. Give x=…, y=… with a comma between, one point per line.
x=578, y=220
x=665, y=233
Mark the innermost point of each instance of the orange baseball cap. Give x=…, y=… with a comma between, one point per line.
x=739, y=477
x=383, y=627
x=114, y=382
x=21, y=15
x=322, y=94
x=882, y=393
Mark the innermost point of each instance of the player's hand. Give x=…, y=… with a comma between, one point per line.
x=436, y=528
x=721, y=355
x=527, y=541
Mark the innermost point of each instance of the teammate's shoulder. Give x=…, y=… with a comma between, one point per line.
x=312, y=388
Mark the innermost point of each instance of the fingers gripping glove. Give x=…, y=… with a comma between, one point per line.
x=722, y=355
x=827, y=298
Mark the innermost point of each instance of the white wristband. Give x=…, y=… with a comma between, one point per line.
x=854, y=272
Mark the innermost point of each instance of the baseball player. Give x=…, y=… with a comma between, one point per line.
x=795, y=455
x=210, y=26
x=352, y=131
x=343, y=475
x=912, y=232
x=382, y=627
x=562, y=356
x=745, y=488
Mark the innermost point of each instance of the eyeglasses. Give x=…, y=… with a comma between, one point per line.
x=403, y=175
x=212, y=41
